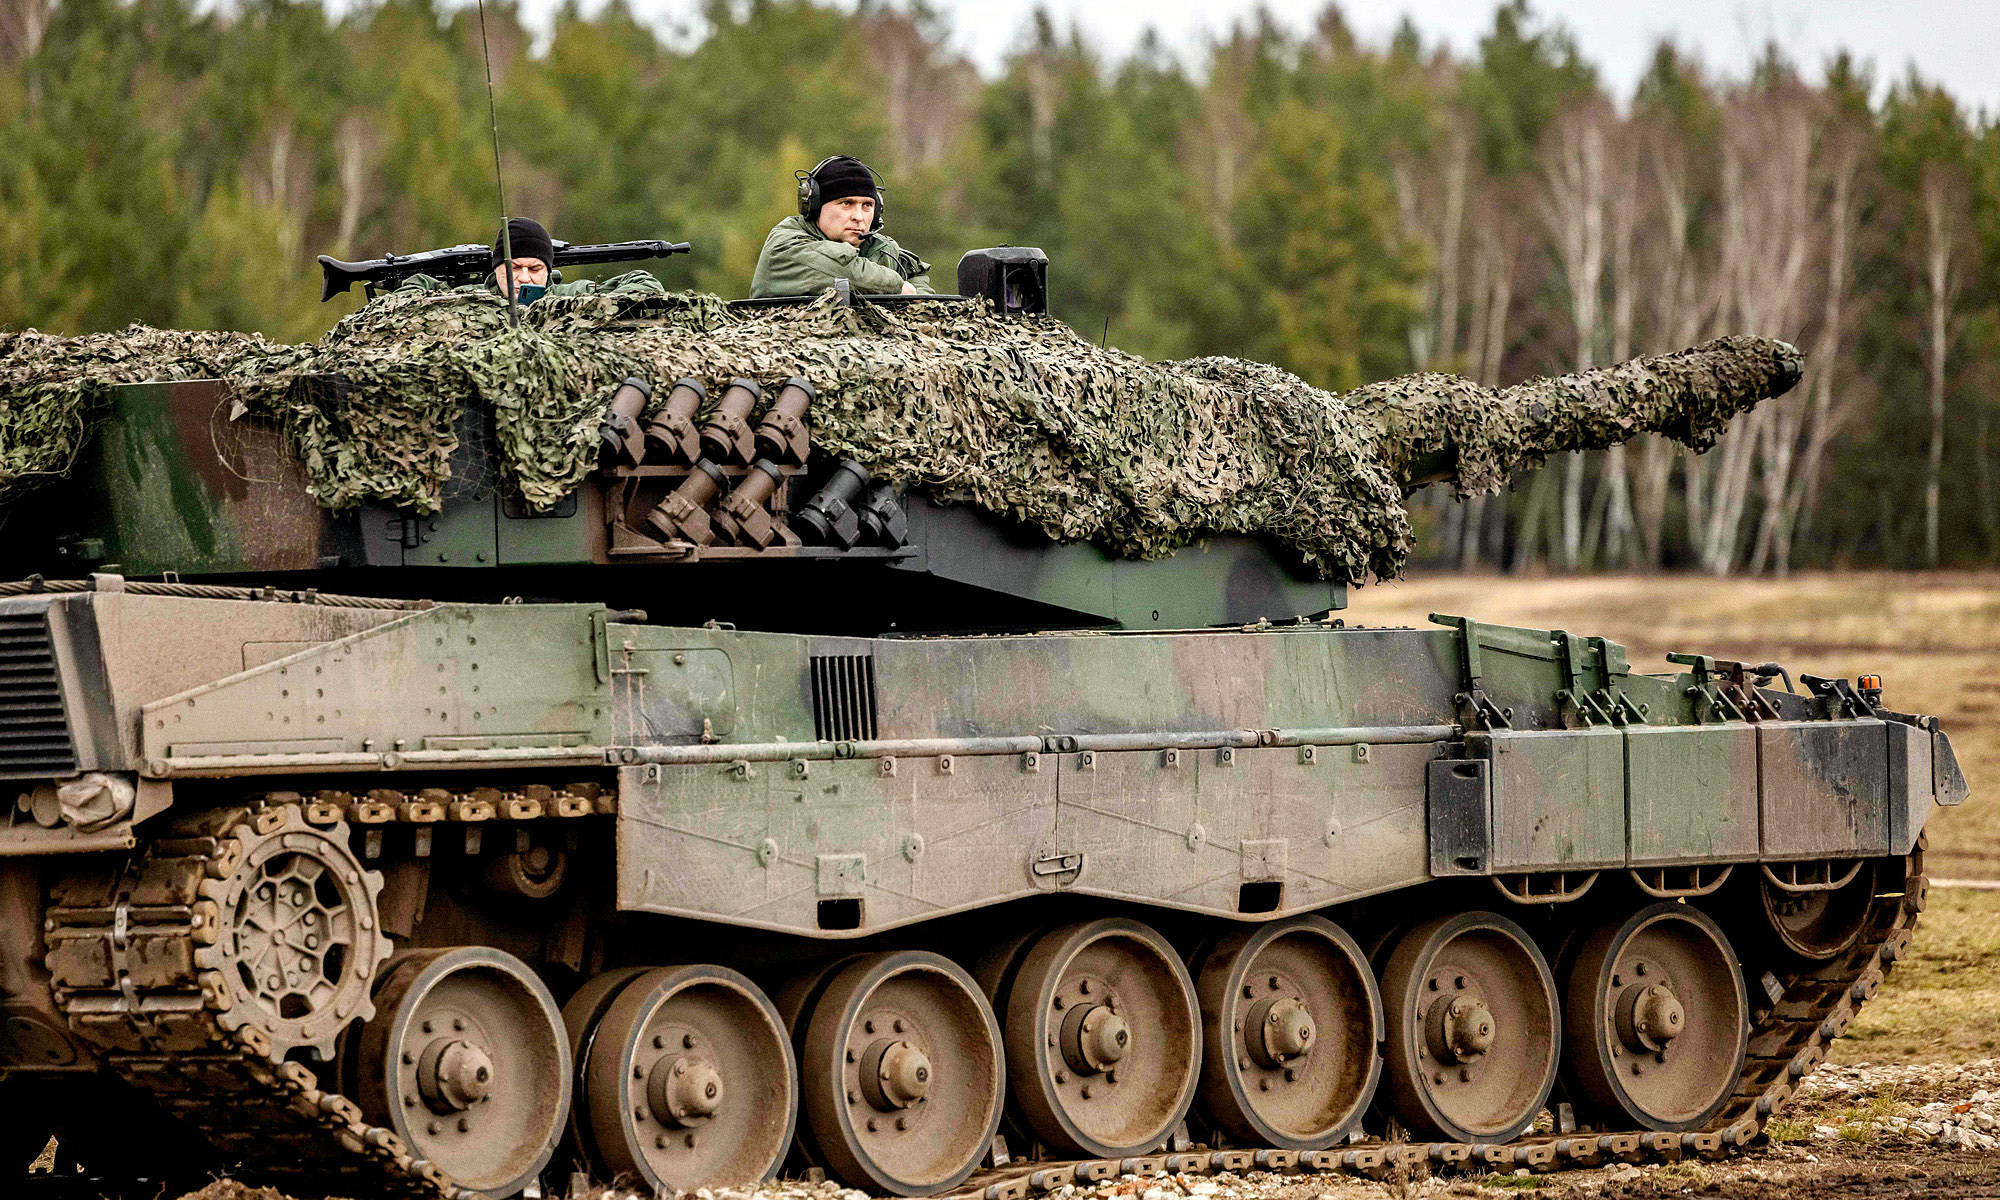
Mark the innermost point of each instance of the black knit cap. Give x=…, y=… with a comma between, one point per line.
x=529, y=239
x=844, y=177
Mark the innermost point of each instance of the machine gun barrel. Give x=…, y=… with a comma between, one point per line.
x=466, y=263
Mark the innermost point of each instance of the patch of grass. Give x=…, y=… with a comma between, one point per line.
x=1783, y=1130
x=1693, y=1173
x=1513, y=1181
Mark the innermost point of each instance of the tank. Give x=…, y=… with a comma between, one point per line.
x=742, y=815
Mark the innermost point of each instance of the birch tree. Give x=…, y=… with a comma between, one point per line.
x=1573, y=203
x=1942, y=197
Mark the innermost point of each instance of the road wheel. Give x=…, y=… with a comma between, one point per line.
x=1103, y=1039
x=1656, y=1019
x=1472, y=1028
x=903, y=1073
x=685, y=1077
x=1290, y=1026
x=467, y=1061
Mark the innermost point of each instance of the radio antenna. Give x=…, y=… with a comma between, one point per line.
x=499, y=182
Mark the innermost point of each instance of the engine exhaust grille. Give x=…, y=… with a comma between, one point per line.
x=843, y=697
x=34, y=732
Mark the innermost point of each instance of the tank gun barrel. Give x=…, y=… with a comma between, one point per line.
x=1435, y=428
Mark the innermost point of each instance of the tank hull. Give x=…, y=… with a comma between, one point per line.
x=516, y=808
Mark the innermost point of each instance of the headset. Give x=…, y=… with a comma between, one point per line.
x=809, y=202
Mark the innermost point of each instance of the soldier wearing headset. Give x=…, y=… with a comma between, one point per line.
x=837, y=235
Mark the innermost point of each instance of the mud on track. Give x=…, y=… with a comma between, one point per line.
x=1848, y=1171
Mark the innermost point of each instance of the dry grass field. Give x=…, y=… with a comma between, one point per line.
x=1941, y=1004
x=1934, y=638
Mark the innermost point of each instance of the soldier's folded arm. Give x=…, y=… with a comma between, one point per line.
x=795, y=264
x=917, y=273
x=631, y=283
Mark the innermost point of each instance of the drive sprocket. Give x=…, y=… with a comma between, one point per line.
x=299, y=936
x=207, y=964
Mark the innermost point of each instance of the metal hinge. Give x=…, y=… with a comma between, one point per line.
x=1475, y=709
x=1839, y=697
x=1711, y=702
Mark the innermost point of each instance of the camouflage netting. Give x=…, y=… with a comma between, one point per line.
x=51, y=388
x=1022, y=418
x=1442, y=427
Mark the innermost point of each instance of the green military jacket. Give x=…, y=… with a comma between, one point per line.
x=799, y=260
x=631, y=283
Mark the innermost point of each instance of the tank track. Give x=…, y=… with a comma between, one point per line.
x=1808, y=1010
x=166, y=1030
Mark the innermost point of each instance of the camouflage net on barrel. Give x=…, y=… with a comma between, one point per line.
x=1020, y=417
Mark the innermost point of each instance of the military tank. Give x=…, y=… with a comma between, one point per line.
x=741, y=813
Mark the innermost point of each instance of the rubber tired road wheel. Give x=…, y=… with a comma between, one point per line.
x=581, y=1013
x=466, y=1060
x=1103, y=1039
x=685, y=1078
x=1656, y=1019
x=1471, y=1019
x=1290, y=1023
x=903, y=1073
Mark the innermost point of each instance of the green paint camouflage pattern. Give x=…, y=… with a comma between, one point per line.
x=54, y=389
x=1022, y=418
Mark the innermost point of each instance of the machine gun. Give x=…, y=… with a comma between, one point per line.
x=470, y=262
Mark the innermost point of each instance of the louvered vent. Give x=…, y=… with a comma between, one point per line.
x=843, y=695
x=34, y=734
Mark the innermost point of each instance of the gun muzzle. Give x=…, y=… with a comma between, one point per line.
x=829, y=518
x=883, y=522
x=745, y=518
x=726, y=436
x=623, y=442
x=781, y=433
x=670, y=434
x=683, y=516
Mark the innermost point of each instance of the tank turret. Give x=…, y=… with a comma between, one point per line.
x=794, y=503
x=168, y=485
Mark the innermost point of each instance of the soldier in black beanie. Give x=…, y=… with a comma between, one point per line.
x=534, y=258
x=837, y=234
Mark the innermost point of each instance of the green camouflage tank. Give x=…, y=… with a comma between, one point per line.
x=676, y=744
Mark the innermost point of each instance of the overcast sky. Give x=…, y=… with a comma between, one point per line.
x=1956, y=42
x=1953, y=41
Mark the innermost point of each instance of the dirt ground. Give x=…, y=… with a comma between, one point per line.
x=1906, y=1108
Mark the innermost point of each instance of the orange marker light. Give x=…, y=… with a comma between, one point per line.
x=1869, y=683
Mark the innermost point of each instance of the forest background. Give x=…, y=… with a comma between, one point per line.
x=1346, y=210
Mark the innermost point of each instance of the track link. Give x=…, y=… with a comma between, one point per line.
x=124, y=948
